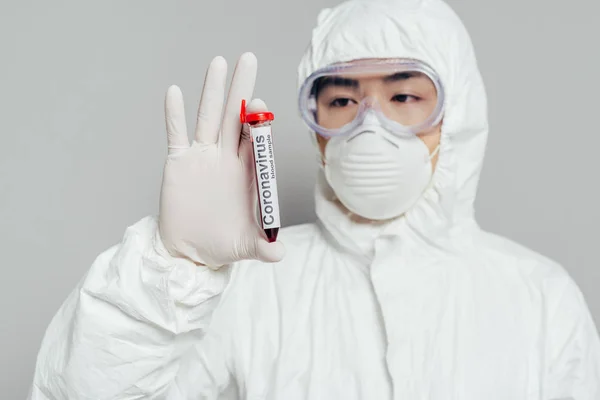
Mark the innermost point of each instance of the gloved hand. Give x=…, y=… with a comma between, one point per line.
x=208, y=201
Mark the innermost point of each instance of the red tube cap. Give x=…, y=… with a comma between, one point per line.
x=254, y=117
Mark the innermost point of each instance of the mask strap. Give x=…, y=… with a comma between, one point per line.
x=320, y=158
x=434, y=152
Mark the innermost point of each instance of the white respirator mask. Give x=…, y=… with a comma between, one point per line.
x=375, y=174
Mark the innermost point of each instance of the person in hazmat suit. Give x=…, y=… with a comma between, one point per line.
x=394, y=293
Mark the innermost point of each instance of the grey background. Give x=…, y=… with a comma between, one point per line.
x=83, y=142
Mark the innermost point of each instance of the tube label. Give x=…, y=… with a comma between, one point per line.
x=266, y=181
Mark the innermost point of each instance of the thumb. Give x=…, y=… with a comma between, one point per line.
x=245, y=148
x=269, y=252
x=256, y=105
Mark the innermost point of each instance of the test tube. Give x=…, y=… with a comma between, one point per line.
x=259, y=126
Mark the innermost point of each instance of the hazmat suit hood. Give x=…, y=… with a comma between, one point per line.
x=429, y=31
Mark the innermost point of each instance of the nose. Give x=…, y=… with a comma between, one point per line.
x=370, y=116
x=370, y=106
x=371, y=103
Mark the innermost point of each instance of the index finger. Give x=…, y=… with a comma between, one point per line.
x=242, y=87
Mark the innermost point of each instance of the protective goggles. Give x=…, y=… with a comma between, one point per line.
x=405, y=95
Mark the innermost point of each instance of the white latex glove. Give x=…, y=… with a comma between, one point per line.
x=208, y=198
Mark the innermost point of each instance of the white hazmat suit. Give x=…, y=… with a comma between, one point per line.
x=427, y=306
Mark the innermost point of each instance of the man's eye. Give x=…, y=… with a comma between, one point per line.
x=341, y=102
x=404, y=98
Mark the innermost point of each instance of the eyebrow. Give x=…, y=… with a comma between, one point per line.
x=326, y=81
x=401, y=76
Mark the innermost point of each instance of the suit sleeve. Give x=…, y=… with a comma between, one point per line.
x=137, y=326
